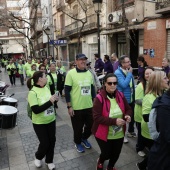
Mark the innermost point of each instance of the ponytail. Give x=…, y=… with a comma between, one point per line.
x=29, y=83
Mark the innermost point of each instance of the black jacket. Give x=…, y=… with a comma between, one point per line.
x=159, y=157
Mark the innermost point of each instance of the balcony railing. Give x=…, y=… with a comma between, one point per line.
x=162, y=6
x=87, y=27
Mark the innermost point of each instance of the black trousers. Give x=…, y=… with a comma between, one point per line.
x=12, y=79
x=82, y=123
x=110, y=150
x=131, y=124
x=147, y=143
x=46, y=136
x=139, y=145
x=22, y=79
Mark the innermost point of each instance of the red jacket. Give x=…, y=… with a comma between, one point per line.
x=101, y=110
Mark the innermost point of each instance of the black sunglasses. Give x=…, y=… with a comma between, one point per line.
x=110, y=83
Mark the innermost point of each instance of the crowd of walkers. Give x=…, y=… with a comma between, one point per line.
x=109, y=109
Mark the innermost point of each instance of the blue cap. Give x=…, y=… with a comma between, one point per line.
x=80, y=56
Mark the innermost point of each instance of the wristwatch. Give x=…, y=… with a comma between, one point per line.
x=68, y=107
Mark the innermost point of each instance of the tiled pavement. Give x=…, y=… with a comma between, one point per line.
x=19, y=144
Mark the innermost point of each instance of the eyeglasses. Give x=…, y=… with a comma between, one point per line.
x=110, y=83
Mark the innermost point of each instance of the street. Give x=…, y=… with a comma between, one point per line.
x=19, y=144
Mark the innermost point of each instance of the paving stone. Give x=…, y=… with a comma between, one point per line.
x=22, y=141
x=16, y=151
x=24, y=121
x=17, y=160
x=4, y=160
x=20, y=167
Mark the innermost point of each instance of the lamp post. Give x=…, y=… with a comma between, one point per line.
x=1, y=49
x=48, y=32
x=97, y=9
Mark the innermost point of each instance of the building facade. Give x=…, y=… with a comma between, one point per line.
x=143, y=24
x=148, y=25
x=13, y=42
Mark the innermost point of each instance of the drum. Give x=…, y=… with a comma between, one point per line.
x=101, y=79
x=8, y=115
x=9, y=101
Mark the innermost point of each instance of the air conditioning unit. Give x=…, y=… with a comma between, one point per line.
x=113, y=17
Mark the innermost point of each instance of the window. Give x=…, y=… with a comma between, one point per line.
x=4, y=42
x=46, y=10
x=55, y=24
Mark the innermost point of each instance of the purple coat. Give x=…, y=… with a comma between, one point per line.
x=108, y=68
x=99, y=65
x=115, y=65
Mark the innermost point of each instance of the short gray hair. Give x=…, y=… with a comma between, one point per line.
x=114, y=54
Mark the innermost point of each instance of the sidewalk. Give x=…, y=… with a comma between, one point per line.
x=19, y=144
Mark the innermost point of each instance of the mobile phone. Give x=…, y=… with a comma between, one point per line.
x=57, y=93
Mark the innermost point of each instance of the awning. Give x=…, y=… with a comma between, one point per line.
x=136, y=27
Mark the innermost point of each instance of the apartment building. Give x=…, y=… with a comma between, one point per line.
x=13, y=42
x=67, y=19
x=148, y=23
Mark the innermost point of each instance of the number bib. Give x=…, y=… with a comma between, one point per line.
x=49, y=111
x=85, y=90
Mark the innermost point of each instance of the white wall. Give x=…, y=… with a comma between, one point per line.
x=13, y=47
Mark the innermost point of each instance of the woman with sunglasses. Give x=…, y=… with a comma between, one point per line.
x=110, y=113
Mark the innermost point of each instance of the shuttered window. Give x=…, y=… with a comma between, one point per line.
x=168, y=44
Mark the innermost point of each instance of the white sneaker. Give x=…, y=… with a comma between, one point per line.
x=125, y=140
x=38, y=163
x=141, y=153
x=51, y=166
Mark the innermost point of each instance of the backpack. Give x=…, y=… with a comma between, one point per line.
x=152, y=124
x=29, y=110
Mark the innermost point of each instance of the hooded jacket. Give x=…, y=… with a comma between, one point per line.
x=124, y=84
x=159, y=156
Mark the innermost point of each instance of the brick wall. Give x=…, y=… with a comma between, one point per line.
x=155, y=37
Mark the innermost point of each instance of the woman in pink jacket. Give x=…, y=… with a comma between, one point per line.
x=110, y=113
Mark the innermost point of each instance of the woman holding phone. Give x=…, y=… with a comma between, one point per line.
x=43, y=118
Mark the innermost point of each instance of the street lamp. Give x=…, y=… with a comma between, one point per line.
x=97, y=9
x=48, y=32
x=1, y=49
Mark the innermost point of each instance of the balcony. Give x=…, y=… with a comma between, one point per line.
x=87, y=28
x=60, y=33
x=162, y=7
